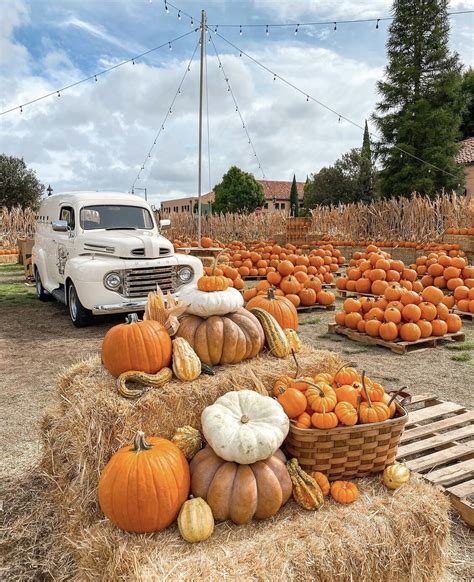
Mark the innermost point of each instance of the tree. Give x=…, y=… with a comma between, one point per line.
x=294, y=202
x=349, y=180
x=19, y=185
x=467, y=123
x=366, y=149
x=237, y=192
x=421, y=102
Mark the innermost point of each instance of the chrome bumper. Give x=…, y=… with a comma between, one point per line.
x=138, y=305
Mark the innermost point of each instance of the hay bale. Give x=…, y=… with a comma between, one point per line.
x=386, y=535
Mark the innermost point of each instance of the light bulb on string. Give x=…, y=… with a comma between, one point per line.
x=171, y=111
x=339, y=120
x=21, y=108
x=169, y=45
x=377, y=25
x=307, y=98
x=166, y=7
x=335, y=26
x=274, y=77
x=267, y=32
x=179, y=91
x=240, y=31
x=162, y=128
x=179, y=14
x=192, y=21
x=215, y=30
x=240, y=54
x=95, y=78
x=59, y=94
x=296, y=29
x=133, y=61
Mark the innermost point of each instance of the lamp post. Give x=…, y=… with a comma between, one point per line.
x=142, y=189
x=49, y=190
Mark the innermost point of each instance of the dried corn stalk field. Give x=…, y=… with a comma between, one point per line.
x=416, y=218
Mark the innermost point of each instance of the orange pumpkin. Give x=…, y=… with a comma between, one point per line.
x=128, y=494
x=344, y=492
x=292, y=401
x=322, y=481
x=144, y=346
x=281, y=308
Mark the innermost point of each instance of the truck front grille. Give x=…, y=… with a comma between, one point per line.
x=139, y=282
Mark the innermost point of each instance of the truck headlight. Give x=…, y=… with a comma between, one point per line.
x=112, y=281
x=185, y=274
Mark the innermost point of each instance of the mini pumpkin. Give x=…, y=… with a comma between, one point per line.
x=369, y=411
x=344, y=492
x=292, y=401
x=321, y=397
x=396, y=475
x=322, y=481
x=213, y=282
x=346, y=413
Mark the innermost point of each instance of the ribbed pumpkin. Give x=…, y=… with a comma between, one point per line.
x=186, y=364
x=240, y=492
x=144, y=485
x=281, y=308
x=223, y=339
x=195, y=520
x=144, y=346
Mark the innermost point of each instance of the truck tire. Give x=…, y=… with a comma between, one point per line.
x=80, y=316
x=41, y=292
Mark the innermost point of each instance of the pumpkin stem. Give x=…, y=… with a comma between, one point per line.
x=244, y=419
x=369, y=402
x=139, y=443
x=271, y=293
x=321, y=391
x=132, y=318
x=346, y=365
x=395, y=394
x=216, y=260
x=296, y=362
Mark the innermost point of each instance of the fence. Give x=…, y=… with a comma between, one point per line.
x=415, y=219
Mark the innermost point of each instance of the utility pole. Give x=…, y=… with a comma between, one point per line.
x=201, y=81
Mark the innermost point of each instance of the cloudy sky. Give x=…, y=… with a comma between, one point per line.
x=97, y=135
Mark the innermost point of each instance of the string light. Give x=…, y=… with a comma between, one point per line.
x=240, y=31
x=95, y=78
x=307, y=97
x=267, y=32
x=21, y=109
x=328, y=108
x=192, y=22
x=169, y=112
x=377, y=25
x=166, y=7
x=133, y=61
x=179, y=14
x=296, y=29
x=335, y=26
x=215, y=30
x=59, y=94
x=229, y=89
x=170, y=47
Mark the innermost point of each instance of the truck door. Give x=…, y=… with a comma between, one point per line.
x=62, y=245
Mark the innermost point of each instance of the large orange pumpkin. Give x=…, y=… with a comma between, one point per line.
x=282, y=309
x=136, y=345
x=143, y=486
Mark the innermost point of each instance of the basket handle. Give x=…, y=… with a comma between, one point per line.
x=401, y=393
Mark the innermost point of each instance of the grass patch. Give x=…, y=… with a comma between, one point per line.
x=462, y=357
x=14, y=294
x=310, y=320
x=10, y=267
x=460, y=346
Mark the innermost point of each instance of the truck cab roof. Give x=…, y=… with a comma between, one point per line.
x=89, y=197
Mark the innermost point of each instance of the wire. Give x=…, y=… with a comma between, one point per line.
x=229, y=89
x=321, y=23
x=339, y=115
x=95, y=75
x=207, y=122
x=165, y=119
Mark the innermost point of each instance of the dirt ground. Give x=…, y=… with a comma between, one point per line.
x=37, y=341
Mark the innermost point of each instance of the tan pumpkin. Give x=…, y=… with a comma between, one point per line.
x=240, y=492
x=188, y=440
x=186, y=364
x=225, y=339
x=195, y=520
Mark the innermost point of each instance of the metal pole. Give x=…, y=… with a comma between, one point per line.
x=201, y=81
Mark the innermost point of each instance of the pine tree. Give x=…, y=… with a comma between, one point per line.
x=294, y=202
x=467, y=125
x=366, y=149
x=422, y=101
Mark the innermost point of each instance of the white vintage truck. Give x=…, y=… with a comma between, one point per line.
x=102, y=252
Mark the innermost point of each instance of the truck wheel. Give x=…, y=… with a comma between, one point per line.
x=41, y=292
x=80, y=316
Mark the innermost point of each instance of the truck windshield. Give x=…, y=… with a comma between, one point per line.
x=116, y=217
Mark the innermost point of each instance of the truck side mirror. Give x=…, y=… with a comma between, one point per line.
x=60, y=225
x=165, y=223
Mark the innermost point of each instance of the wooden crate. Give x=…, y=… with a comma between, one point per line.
x=438, y=443
x=465, y=241
x=465, y=315
x=8, y=259
x=346, y=293
x=397, y=347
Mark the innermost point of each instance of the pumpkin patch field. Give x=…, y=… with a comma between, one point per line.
x=231, y=429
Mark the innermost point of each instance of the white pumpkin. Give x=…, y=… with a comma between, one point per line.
x=214, y=303
x=245, y=427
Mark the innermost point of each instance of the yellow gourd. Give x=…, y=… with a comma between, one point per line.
x=186, y=364
x=153, y=380
x=195, y=520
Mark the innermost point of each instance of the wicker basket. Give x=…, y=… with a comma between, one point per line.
x=348, y=451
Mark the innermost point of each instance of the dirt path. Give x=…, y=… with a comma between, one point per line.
x=37, y=341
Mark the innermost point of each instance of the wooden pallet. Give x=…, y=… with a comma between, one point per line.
x=254, y=277
x=438, y=443
x=316, y=307
x=465, y=315
x=346, y=293
x=8, y=259
x=398, y=347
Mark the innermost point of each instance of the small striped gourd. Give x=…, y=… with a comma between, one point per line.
x=277, y=341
